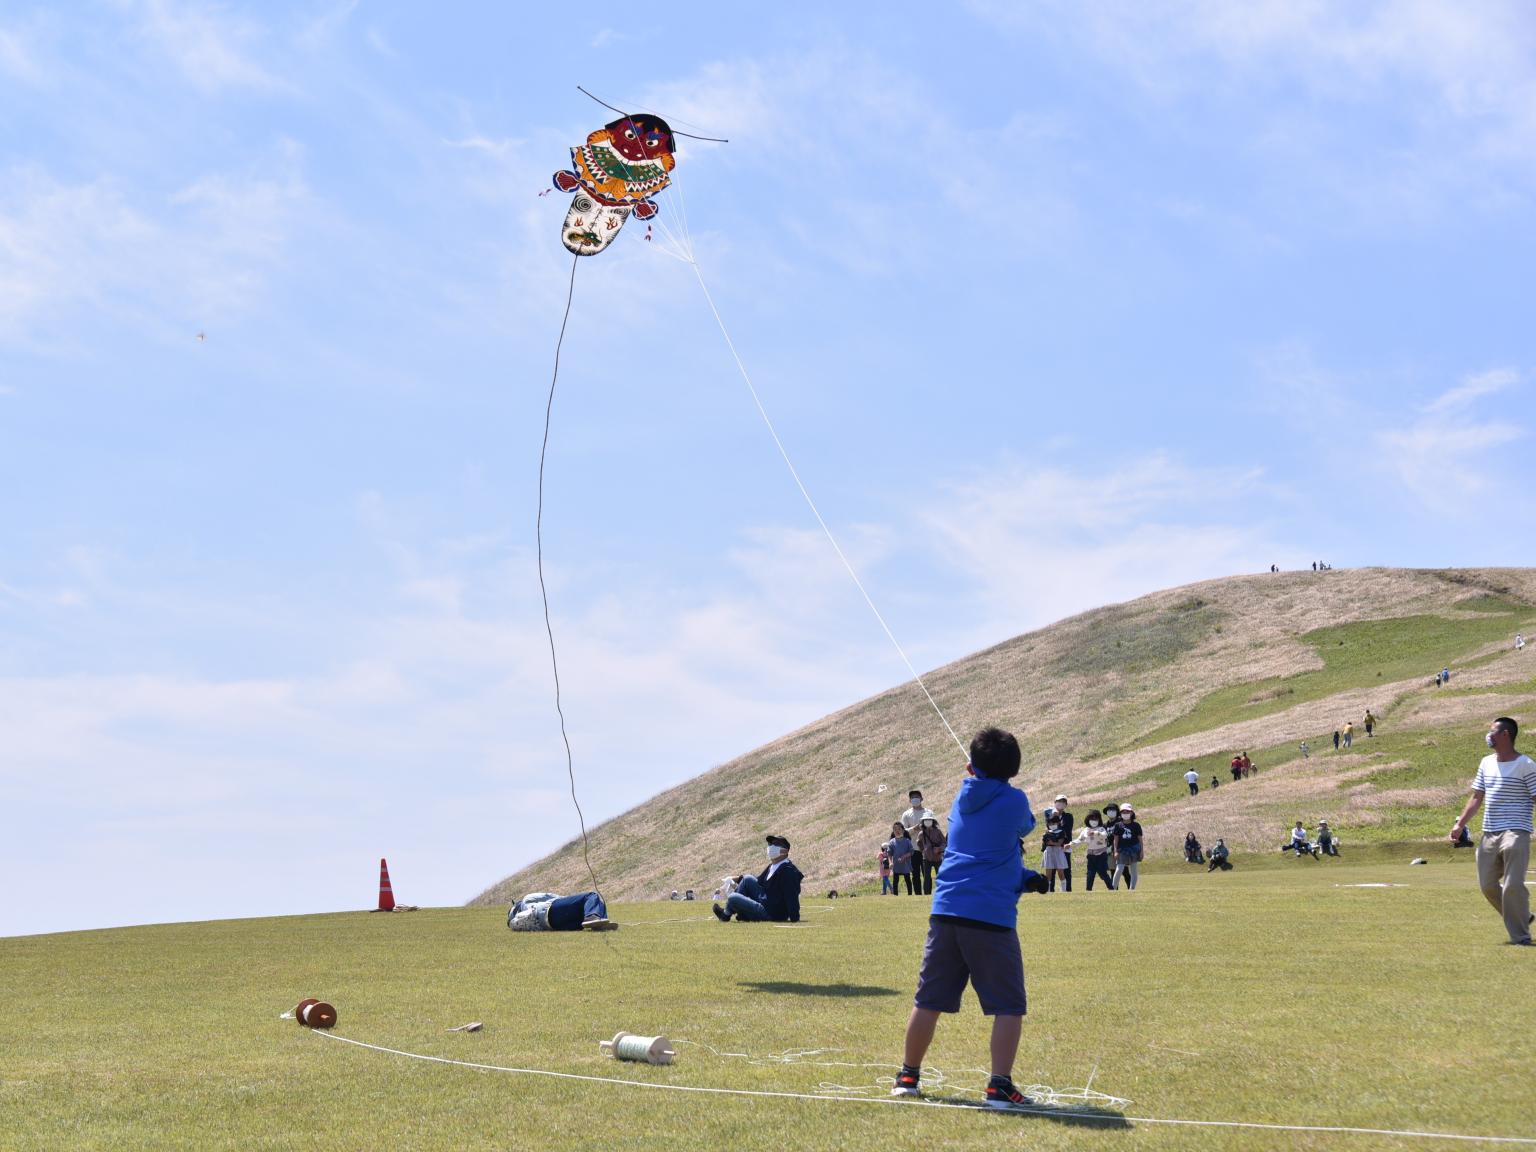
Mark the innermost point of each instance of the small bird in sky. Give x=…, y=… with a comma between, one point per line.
x=202, y=337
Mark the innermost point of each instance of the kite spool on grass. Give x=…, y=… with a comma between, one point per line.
x=312, y=1013
x=642, y=1049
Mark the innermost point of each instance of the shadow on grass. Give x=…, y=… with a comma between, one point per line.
x=789, y=988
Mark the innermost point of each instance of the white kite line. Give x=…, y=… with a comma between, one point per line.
x=1102, y=1117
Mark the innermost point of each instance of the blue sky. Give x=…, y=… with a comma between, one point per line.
x=1053, y=305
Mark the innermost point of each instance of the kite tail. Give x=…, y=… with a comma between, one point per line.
x=554, y=662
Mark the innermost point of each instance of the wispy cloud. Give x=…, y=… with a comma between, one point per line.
x=1444, y=455
x=213, y=48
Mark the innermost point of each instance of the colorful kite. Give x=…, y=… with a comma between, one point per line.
x=616, y=172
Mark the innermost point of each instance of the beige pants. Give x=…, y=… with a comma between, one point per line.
x=1502, y=858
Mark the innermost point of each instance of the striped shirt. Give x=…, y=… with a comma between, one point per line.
x=1509, y=791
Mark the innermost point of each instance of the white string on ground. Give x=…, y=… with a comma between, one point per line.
x=908, y=1102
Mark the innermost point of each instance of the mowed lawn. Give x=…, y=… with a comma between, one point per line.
x=1269, y=995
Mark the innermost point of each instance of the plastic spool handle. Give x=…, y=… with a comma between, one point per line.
x=640, y=1049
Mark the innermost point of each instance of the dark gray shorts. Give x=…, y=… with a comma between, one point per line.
x=990, y=961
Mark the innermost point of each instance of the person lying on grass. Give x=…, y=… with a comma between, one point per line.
x=773, y=895
x=972, y=932
x=546, y=912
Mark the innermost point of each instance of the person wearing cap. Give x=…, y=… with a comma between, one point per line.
x=1219, y=857
x=929, y=844
x=1127, y=848
x=1067, y=826
x=773, y=895
x=1505, y=789
x=1325, y=841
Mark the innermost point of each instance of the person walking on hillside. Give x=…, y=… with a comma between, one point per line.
x=1505, y=788
x=1335, y=739
x=1247, y=766
x=902, y=850
x=1127, y=848
x=1349, y=734
x=1096, y=839
x=930, y=843
x=885, y=869
x=1237, y=769
x=1370, y=724
x=1192, y=778
x=1306, y=750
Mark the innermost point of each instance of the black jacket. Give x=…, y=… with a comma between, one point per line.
x=783, y=899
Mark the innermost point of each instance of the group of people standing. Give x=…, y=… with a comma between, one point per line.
x=914, y=851
x=1112, y=839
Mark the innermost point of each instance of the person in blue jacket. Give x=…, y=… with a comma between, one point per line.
x=972, y=932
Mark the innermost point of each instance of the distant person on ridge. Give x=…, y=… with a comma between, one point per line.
x=1506, y=783
x=1192, y=778
x=973, y=930
x=773, y=895
x=1335, y=739
x=1370, y=724
x=1349, y=734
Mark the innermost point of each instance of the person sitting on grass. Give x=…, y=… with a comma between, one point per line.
x=973, y=930
x=1326, y=844
x=1192, y=852
x=773, y=895
x=1219, y=857
x=546, y=912
x=1299, y=843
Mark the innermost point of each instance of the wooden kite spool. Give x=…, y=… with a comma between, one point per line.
x=314, y=1013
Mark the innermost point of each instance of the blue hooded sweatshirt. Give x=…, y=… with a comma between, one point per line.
x=983, y=874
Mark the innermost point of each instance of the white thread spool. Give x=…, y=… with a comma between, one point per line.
x=642, y=1049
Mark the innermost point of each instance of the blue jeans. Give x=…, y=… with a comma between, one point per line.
x=567, y=913
x=746, y=902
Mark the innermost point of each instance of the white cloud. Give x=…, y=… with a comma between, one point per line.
x=1446, y=455
x=1472, y=389
x=211, y=47
x=1044, y=542
x=205, y=251
x=18, y=59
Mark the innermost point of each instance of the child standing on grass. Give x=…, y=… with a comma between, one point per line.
x=972, y=934
x=901, y=849
x=1097, y=839
x=885, y=869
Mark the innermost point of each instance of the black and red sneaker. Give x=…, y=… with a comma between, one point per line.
x=1002, y=1094
x=906, y=1083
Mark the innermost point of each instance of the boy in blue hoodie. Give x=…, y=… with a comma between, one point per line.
x=972, y=933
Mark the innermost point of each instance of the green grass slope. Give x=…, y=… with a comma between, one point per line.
x=1118, y=703
x=1281, y=996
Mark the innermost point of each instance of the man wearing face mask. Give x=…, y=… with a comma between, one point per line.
x=1505, y=788
x=772, y=895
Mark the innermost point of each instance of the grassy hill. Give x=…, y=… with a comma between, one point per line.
x=1118, y=703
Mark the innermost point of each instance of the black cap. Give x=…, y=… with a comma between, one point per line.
x=780, y=841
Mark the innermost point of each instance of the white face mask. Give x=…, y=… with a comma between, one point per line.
x=1488, y=739
x=1093, y=823
x=774, y=851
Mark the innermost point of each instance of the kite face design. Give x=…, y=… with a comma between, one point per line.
x=614, y=174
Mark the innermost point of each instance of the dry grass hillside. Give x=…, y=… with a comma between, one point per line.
x=1119, y=702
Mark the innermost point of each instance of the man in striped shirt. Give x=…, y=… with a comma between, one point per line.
x=1505, y=787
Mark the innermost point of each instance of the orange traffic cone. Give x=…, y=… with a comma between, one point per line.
x=386, y=893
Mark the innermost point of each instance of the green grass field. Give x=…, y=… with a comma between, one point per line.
x=1264, y=995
